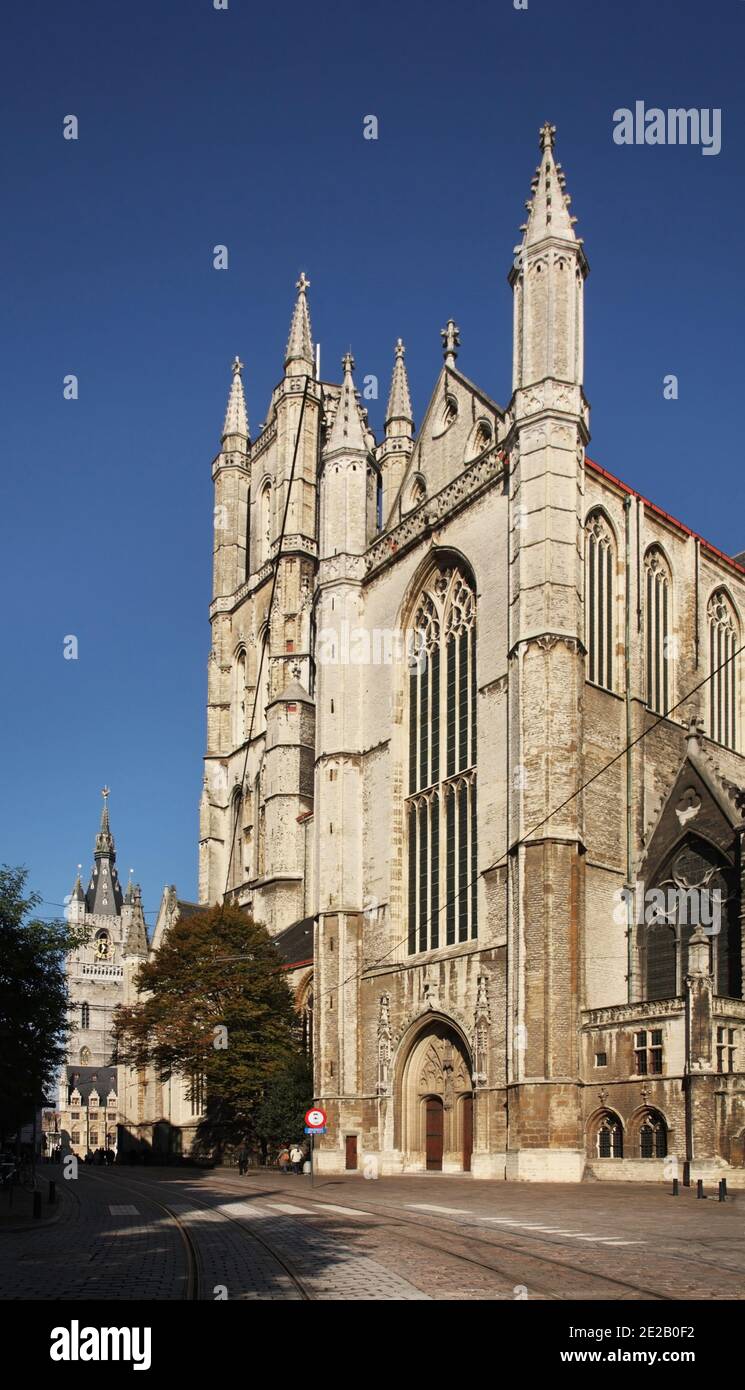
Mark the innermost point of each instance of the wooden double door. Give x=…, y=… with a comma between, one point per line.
x=435, y=1132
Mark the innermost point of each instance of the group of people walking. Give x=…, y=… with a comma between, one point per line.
x=290, y=1158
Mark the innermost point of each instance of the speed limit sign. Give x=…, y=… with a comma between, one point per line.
x=315, y=1118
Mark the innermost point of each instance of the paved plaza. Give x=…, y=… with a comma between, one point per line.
x=182, y=1234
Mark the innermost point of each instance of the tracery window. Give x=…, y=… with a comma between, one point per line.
x=85, y=1015
x=652, y=1136
x=609, y=1136
x=724, y=640
x=658, y=618
x=600, y=600
x=695, y=886
x=441, y=809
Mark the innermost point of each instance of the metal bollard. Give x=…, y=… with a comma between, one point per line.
x=686, y=1173
x=700, y=1187
x=722, y=1189
x=37, y=1205
x=675, y=1187
x=52, y=1191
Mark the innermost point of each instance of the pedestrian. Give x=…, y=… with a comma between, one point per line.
x=243, y=1158
x=283, y=1158
x=296, y=1158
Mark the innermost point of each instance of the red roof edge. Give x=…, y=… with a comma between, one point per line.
x=296, y=964
x=660, y=512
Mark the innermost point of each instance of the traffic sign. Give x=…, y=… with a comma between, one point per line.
x=315, y=1118
x=308, y=1130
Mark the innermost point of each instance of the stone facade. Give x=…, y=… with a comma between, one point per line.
x=92, y=1101
x=430, y=655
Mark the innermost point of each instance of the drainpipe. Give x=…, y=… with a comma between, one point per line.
x=630, y=896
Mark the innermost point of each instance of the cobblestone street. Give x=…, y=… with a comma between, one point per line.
x=183, y=1234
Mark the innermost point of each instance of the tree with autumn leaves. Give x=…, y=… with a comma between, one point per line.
x=213, y=1002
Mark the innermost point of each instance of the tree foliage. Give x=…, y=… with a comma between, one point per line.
x=33, y=999
x=214, y=1004
x=280, y=1116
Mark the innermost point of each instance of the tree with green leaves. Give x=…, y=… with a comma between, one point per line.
x=214, y=1005
x=34, y=1025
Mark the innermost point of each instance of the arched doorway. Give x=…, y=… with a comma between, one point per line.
x=434, y=1101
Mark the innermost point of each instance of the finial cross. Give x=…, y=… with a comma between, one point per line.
x=303, y=283
x=237, y=364
x=450, y=335
x=548, y=135
x=106, y=793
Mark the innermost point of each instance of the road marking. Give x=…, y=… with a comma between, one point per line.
x=346, y=1211
x=612, y=1241
x=123, y=1210
x=287, y=1206
x=449, y=1211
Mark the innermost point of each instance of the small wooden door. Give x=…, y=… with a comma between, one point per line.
x=350, y=1143
x=467, y=1108
x=434, y=1134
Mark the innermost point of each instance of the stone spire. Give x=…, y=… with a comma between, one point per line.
x=104, y=893
x=450, y=335
x=236, y=415
x=347, y=433
x=548, y=206
x=299, y=355
x=398, y=417
x=78, y=892
x=104, y=838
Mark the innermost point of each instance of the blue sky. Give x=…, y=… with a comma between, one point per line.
x=244, y=127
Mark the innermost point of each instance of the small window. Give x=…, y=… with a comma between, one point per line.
x=648, y=1052
x=85, y=1016
x=601, y=1059
x=725, y=1049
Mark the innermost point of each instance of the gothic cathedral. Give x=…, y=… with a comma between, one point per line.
x=475, y=758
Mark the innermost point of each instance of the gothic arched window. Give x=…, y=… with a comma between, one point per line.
x=238, y=702
x=600, y=600
x=609, y=1136
x=441, y=803
x=85, y=1056
x=658, y=619
x=85, y=1015
x=724, y=640
x=696, y=886
x=652, y=1136
x=236, y=849
x=265, y=523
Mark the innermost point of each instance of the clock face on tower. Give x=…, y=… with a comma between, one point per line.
x=103, y=946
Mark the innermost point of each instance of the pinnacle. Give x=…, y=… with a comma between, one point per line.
x=236, y=415
x=548, y=206
x=399, y=400
x=299, y=354
x=347, y=432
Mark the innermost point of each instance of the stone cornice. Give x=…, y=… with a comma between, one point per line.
x=631, y=1013
x=435, y=510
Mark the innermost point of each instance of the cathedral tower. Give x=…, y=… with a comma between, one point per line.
x=546, y=682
